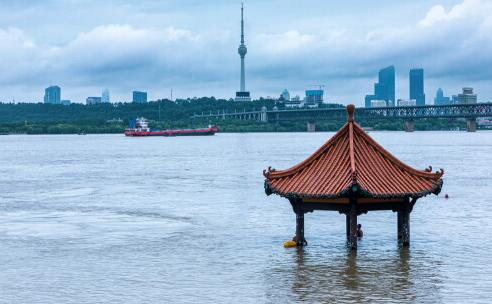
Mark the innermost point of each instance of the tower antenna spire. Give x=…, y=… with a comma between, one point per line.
x=242, y=24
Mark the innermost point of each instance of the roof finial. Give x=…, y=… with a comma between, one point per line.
x=350, y=112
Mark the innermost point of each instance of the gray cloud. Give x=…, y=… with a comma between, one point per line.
x=192, y=48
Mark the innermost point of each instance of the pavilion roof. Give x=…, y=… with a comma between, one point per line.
x=352, y=161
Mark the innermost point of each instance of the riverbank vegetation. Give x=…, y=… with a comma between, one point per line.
x=25, y=118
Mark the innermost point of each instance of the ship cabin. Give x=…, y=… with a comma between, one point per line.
x=352, y=174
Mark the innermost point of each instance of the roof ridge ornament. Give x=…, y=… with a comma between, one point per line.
x=267, y=172
x=429, y=170
x=350, y=112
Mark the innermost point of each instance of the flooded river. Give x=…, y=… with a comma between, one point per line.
x=110, y=219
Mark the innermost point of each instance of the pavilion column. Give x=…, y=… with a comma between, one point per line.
x=353, y=226
x=299, y=238
x=405, y=226
x=399, y=216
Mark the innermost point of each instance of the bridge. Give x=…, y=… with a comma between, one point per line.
x=409, y=114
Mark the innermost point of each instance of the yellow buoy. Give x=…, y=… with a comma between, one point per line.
x=288, y=244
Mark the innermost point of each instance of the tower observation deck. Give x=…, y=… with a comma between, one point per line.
x=242, y=94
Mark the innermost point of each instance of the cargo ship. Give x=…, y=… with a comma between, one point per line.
x=140, y=127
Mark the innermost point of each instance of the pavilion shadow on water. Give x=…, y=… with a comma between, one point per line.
x=352, y=174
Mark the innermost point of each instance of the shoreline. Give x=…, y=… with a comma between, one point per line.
x=238, y=132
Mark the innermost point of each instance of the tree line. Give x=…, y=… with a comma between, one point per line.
x=40, y=118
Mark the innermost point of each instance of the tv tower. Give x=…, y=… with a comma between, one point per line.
x=242, y=94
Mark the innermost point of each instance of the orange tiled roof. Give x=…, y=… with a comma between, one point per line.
x=352, y=158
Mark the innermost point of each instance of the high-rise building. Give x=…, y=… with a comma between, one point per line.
x=92, y=100
x=242, y=94
x=416, y=77
x=368, y=99
x=314, y=96
x=105, y=96
x=285, y=96
x=384, y=89
x=440, y=99
x=139, y=97
x=386, y=85
x=454, y=99
x=52, y=95
x=467, y=96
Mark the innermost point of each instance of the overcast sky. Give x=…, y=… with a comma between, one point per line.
x=190, y=46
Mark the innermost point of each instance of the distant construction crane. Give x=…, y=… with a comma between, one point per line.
x=321, y=86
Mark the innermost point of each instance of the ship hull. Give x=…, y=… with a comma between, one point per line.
x=169, y=133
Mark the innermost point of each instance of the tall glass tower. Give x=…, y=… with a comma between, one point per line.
x=52, y=95
x=387, y=85
x=384, y=89
x=416, y=77
x=242, y=94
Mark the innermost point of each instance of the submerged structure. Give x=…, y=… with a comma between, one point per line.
x=352, y=174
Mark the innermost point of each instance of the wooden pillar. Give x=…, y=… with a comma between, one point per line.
x=399, y=224
x=299, y=238
x=405, y=226
x=353, y=226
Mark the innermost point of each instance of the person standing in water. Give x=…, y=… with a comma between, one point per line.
x=360, y=234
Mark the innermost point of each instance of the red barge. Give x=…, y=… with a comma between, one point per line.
x=140, y=127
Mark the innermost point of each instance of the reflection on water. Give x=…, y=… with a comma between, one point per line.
x=348, y=276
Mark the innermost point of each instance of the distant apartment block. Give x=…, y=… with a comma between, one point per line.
x=52, y=95
x=296, y=98
x=440, y=99
x=454, y=99
x=92, y=100
x=467, y=96
x=65, y=102
x=378, y=103
x=139, y=97
x=294, y=102
x=105, y=96
x=384, y=89
x=313, y=98
x=406, y=102
x=416, y=77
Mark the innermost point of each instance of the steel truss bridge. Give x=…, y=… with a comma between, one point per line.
x=407, y=113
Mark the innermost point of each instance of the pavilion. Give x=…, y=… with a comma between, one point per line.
x=352, y=174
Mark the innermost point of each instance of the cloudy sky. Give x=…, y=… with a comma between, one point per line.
x=190, y=46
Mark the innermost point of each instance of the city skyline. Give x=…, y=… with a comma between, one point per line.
x=383, y=95
x=159, y=54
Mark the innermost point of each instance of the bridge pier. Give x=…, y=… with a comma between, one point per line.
x=311, y=126
x=409, y=125
x=471, y=124
x=263, y=114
